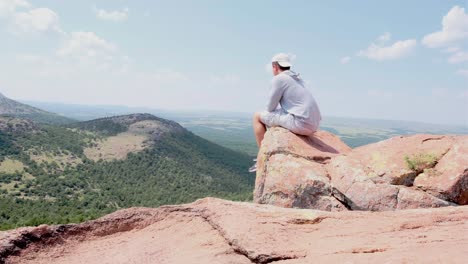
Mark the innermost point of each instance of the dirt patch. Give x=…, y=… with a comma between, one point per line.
x=11, y=166
x=116, y=147
x=62, y=159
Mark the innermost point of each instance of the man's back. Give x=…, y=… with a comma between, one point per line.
x=289, y=90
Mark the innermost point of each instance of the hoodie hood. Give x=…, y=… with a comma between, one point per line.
x=296, y=76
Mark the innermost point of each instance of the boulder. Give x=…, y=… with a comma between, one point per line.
x=321, y=172
x=290, y=171
x=449, y=178
x=437, y=165
x=296, y=182
x=321, y=146
x=399, y=160
x=385, y=197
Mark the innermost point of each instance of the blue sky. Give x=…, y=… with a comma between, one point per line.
x=405, y=60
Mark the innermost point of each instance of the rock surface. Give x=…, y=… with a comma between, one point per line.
x=321, y=172
x=291, y=173
x=218, y=231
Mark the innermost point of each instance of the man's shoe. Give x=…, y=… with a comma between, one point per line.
x=253, y=168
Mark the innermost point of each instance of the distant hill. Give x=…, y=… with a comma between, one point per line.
x=9, y=107
x=234, y=130
x=70, y=173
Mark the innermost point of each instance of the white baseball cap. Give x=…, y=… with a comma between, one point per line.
x=282, y=59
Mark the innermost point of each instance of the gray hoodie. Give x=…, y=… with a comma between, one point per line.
x=289, y=90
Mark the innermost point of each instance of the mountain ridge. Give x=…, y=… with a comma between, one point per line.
x=70, y=173
x=10, y=107
x=123, y=122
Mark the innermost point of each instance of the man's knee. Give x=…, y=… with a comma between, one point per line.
x=256, y=117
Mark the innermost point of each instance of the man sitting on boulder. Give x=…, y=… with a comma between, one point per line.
x=290, y=105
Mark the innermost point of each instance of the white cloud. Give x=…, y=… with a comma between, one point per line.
x=380, y=52
x=463, y=72
x=85, y=45
x=35, y=20
x=88, y=51
x=114, y=15
x=30, y=20
x=451, y=49
x=385, y=37
x=454, y=29
x=458, y=57
x=345, y=60
x=80, y=51
x=8, y=7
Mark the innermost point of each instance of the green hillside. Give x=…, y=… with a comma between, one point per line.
x=9, y=107
x=70, y=173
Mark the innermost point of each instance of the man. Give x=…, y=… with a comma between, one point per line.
x=290, y=105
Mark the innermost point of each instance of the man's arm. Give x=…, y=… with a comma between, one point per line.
x=277, y=90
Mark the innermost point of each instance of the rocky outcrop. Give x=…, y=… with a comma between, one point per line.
x=321, y=172
x=449, y=177
x=291, y=171
x=218, y=231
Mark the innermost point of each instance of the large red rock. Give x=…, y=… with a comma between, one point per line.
x=437, y=165
x=290, y=171
x=322, y=145
x=321, y=172
x=296, y=182
x=384, y=197
x=218, y=231
x=387, y=160
x=449, y=178
x=361, y=191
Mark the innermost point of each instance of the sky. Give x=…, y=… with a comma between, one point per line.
x=401, y=60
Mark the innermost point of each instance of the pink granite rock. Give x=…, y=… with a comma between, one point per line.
x=290, y=171
x=218, y=231
x=449, y=178
x=321, y=172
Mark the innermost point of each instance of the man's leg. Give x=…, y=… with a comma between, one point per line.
x=259, y=128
